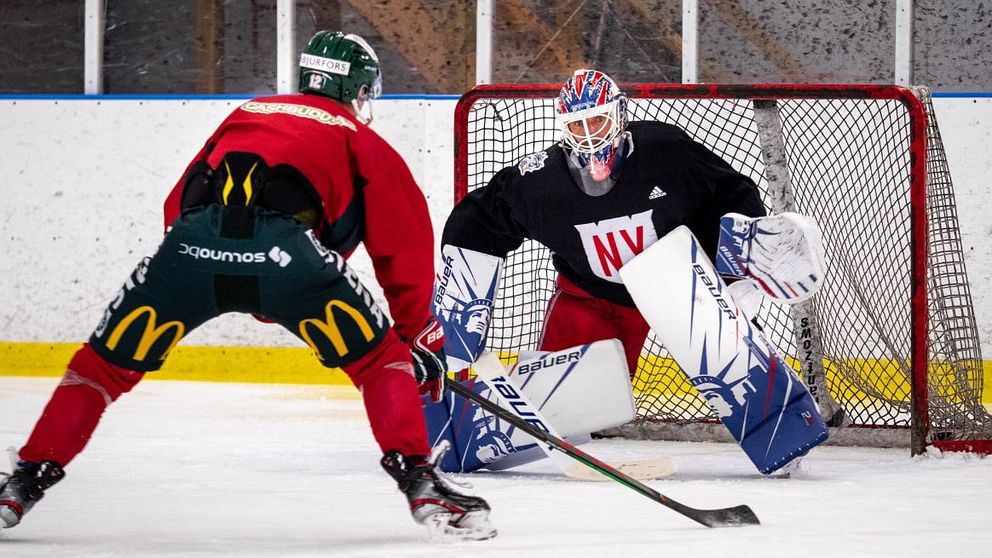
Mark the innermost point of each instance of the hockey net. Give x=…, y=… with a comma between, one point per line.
x=892, y=331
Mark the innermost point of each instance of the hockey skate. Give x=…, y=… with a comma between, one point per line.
x=20, y=490
x=434, y=500
x=795, y=469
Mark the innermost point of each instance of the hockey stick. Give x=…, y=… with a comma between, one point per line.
x=652, y=468
x=723, y=517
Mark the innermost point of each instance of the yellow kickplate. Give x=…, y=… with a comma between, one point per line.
x=271, y=365
x=292, y=365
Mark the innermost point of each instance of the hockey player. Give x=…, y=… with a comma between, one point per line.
x=599, y=198
x=261, y=222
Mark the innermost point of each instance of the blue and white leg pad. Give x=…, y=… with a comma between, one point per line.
x=737, y=371
x=464, y=290
x=564, y=385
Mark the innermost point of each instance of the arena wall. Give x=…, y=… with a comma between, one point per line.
x=85, y=181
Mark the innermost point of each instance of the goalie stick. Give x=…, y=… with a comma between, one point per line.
x=722, y=517
x=515, y=396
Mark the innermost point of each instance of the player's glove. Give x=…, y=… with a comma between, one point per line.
x=429, y=365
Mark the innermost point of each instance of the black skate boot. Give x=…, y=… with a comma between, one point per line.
x=434, y=500
x=26, y=485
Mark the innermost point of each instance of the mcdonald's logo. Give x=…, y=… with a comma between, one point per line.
x=150, y=334
x=329, y=327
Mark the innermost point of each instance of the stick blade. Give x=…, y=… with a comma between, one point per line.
x=642, y=470
x=738, y=516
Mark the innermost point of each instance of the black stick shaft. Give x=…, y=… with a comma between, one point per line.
x=723, y=517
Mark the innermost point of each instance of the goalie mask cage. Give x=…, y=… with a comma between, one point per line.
x=889, y=345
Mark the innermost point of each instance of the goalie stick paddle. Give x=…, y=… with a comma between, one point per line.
x=653, y=468
x=724, y=517
x=512, y=396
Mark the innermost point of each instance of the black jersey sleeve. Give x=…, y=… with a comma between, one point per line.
x=724, y=191
x=485, y=220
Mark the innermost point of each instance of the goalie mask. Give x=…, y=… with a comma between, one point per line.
x=342, y=67
x=592, y=112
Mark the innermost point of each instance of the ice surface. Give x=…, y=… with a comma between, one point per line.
x=201, y=470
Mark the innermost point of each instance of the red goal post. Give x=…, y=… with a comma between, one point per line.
x=889, y=345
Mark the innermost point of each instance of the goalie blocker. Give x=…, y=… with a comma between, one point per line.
x=738, y=372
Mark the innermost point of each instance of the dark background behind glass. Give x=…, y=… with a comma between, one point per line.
x=428, y=46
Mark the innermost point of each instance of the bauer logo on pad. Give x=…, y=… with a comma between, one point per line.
x=464, y=290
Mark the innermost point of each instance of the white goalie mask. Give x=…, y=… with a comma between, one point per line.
x=592, y=112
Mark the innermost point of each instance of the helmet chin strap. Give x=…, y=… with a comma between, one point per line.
x=362, y=105
x=363, y=111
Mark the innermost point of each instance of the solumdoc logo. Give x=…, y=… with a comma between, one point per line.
x=276, y=254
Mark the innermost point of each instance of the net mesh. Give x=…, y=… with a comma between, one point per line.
x=849, y=163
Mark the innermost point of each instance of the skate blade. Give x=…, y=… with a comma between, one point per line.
x=471, y=527
x=8, y=518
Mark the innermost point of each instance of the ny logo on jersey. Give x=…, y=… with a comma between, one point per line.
x=610, y=243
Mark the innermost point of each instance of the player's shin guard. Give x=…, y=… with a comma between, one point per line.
x=392, y=402
x=90, y=384
x=435, y=502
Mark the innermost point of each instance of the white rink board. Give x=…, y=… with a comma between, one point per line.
x=85, y=182
x=83, y=203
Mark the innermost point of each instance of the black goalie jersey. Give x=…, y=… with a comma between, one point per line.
x=666, y=180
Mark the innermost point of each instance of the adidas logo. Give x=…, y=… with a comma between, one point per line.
x=656, y=193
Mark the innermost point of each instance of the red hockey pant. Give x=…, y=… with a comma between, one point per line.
x=574, y=317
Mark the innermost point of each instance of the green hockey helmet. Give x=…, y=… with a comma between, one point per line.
x=340, y=66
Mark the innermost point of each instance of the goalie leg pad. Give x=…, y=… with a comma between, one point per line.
x=741, y=376
x=464, y=291
x=564, y=385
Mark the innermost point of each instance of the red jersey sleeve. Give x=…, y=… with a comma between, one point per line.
x=398, y=235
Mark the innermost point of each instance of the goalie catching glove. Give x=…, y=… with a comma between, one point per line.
x=782, y=254
x=429, y=365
